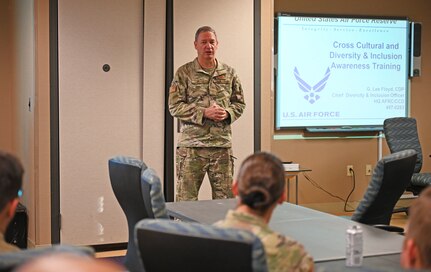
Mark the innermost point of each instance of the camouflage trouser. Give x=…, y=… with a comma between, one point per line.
x=193, y=163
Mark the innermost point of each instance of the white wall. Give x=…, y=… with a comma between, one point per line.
x=105, y=114
x=23, y=89
x=24, y=75
x=79, y=18
x=6, y=47
x=154, y=85
x=100, y=112
x=233, y=22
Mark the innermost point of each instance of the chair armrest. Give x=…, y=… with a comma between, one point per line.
x=396, y=229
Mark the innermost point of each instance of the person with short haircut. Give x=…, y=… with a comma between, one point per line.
x=416, y=252
x=11, y=172
x=206, y=97
x=260, y=187
x=68, y=262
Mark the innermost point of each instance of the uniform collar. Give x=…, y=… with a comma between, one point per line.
x=246, y=217
x=219, y=70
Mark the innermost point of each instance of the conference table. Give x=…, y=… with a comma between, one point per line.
x=322, y=234
x=293, y=174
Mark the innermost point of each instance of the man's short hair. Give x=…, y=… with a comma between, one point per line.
x=204, y=29
x=419, y=225
x=11, y=172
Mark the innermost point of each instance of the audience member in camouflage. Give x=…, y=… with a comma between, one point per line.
x=260, y=187
x=207, y=97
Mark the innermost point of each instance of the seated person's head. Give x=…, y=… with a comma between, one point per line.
x=11, y=172
x=260, y=183
x=417, y=242
x=69, y=263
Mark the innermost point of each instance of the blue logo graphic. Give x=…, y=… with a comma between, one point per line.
x=311, y=91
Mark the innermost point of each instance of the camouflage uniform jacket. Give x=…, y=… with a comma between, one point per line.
x=282, y=253
x=193, y=90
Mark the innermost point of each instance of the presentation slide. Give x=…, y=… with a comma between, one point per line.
x=333, y=72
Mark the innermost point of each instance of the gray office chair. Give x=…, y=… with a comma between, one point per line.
x=390, y=178
x=138, y=190
x=183, y=246
x=401, y=133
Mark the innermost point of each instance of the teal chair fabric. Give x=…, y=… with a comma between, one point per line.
x=151, y=182
x=167, y=245
x=401, y=133
x=391, y=176
x=139, y=193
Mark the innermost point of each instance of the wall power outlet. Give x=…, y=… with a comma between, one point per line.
x=349, y=172
x=368, y=169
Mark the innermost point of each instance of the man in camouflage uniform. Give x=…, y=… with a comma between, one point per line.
x=260, y=187
x=207, y=97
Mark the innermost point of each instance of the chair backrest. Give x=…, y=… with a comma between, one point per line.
x=166, y=245
x=401, y=133
x=390, y=178
x=139, y=193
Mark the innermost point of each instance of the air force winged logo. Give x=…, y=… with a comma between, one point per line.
x=311, y=91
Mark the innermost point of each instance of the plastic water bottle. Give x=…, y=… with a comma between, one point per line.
x=354, y=246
